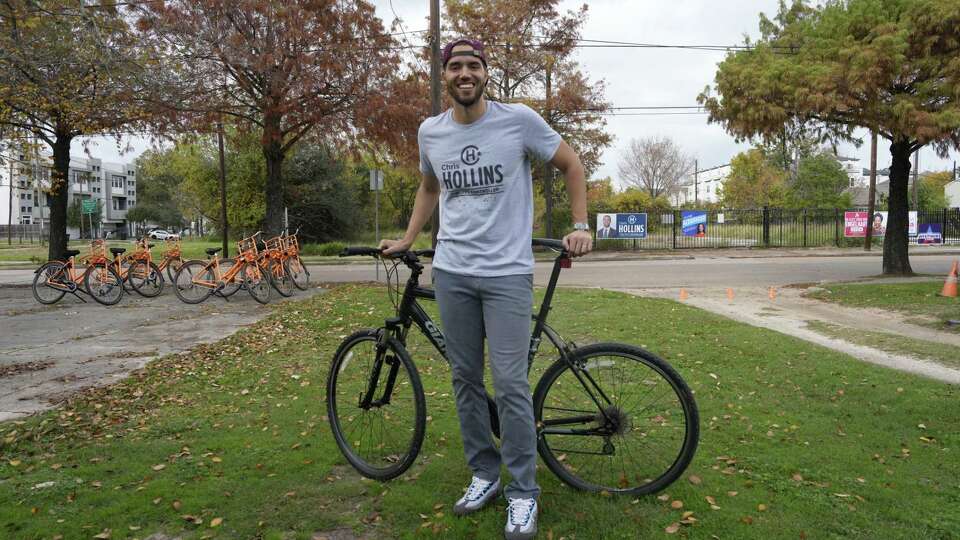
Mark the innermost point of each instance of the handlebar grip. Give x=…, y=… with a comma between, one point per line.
x=551, y=243
x=424, y=253
x=359, y=250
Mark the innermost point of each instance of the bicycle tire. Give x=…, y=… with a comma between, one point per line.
x=282, y=283
x=347, y=381
x=187, y=291
x=231, y=287
x=256, y=280
x=172, y=266
x=147, y=280
x=560, y=399
x=298, y=271
x=47, y=271
x=103, y=283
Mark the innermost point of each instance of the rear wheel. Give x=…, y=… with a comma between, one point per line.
x=230, y=287
x=615, y=418
x=146, y=279
x=103, y=283
x=381, y=438
x=194, y=282
x=51, y=282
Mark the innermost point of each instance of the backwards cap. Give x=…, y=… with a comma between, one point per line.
x=477, y=51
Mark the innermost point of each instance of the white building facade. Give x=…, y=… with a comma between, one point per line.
x=702, y=187
x=24, y=200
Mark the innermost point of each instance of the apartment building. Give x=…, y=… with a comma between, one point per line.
x=24, y=200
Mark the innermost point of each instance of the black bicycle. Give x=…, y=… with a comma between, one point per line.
x=610, y=416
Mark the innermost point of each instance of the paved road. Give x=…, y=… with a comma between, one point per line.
x=49, y=352
x=698, y=271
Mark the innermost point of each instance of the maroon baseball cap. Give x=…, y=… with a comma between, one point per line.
x=477, y=51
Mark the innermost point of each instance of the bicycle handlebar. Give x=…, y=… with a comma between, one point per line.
x=551, y=243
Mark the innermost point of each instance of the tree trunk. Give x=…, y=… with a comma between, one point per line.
x=273, y=155
x=896, y=259
x=59, y=183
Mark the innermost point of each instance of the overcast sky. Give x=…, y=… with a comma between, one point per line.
x=650, y=77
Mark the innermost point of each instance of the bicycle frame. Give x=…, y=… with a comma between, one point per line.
x=411, y=312
x=247, y=254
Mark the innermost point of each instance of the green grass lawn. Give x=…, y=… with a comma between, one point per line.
x=920, y=300
x=231, y=441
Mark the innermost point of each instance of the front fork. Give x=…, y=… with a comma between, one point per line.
x=383, y=357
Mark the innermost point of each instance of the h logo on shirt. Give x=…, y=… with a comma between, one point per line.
x=470, y=155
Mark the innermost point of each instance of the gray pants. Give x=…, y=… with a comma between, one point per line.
x=502, y=306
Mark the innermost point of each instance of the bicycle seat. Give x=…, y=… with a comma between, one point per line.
x=72, y=253
x=213, y=251
x=117, y=251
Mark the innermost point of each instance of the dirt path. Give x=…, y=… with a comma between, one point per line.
x=789, y=312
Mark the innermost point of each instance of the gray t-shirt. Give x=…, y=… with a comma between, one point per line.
x=486, y=198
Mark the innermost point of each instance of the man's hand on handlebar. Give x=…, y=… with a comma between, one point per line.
x=390, y=247
x=578, y=243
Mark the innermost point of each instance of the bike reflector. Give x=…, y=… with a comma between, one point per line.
x=566, y=262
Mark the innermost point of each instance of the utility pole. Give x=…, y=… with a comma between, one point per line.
x=435, y=68
x=223, y=190
x=696, y=182
x=872, y=191
x=10, y=203
x=548, y=168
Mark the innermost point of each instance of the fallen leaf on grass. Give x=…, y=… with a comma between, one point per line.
x=761, y=508
x=215, y=522
x=105, y=535
x=665, y=497
x=676, y=505
x=797, y=478
x=193, y=519
x=710, y=499
x=695, y=480
x=159, y=467
x=731, y=493
x=176, y=505
x=672, y=528
x=747, y=520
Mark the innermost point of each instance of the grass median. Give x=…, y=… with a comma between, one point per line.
x=231, y=441
x=920, y=301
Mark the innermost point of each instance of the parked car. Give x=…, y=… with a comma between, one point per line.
x=160, y=234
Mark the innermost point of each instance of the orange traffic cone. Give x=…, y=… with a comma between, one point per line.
x=683, y=295
x=730, y=294
x=950, y=285
x=773, y=293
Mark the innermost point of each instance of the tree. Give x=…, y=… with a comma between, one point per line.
x=321, y=194
x=820, y=183
x=285, y=67
x=655, y=164
x=753, y=182
x=930, y=192
x=66, y=73
x=157, y=186
x=77, y=219
x=888, y=65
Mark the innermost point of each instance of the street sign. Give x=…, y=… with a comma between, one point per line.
x=376, y=180
x=88, y=206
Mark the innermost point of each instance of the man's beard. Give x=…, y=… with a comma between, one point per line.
x=478, y=93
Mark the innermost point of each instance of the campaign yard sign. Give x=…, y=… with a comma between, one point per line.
x=631, y=225
x=694, y=222
x=855, y=224
x=930, y=234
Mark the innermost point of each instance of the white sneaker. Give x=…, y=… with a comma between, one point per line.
x=521, y=519
x=478, y=494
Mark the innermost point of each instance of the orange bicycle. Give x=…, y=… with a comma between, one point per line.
x=143, y=275
x=172, y=258
x=196, y=280
x=273, y=258
x=54, y=279
x=293, y=263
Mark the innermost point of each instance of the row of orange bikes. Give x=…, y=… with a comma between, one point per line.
x=259, y=267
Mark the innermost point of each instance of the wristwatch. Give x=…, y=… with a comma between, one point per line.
x=581, y=226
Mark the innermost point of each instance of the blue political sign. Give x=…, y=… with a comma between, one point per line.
x=694, y=222
x=930, y=233
x=631, y=225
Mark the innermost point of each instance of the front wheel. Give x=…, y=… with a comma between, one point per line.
x=256, y=279
x=173, y=265
x=146, y=279
x=614, y=417
x=298, y=271
x=104, y=283
x=194, y=282
x=280, y=279
x=376, y=405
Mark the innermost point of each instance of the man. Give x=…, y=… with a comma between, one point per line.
x=475, y=159
x=606, y=231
